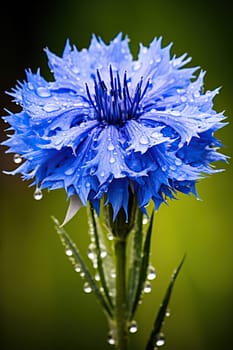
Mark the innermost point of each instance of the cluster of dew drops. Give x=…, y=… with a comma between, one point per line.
x=151, y=274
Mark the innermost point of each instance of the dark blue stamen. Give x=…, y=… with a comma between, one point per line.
x=115, y=105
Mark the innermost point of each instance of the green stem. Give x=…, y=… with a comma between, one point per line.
x=121, y=331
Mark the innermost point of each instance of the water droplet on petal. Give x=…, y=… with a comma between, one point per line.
x=17, y=158
x=69, y=171
x=147, y=288
x=178, y=161
x=38, y=195
x=144, y=140
x=87, y=288
x=50, y=107
x=92, y=171
x=112, y=160
x=111, y=147
x=158, y=59
x=30, y=86
x=151, y=273
x=43, y=92
x=164, y=167
x=175, y=113
x=133, y=328
x=161, y=340
x=155, y=135
x=68, y=252
x=136, y=66
x=183, y=98
x=172, y=167
x=75, y=69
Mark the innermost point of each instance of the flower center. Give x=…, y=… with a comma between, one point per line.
x=115, y=105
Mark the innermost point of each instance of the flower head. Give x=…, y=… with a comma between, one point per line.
x=109, y=124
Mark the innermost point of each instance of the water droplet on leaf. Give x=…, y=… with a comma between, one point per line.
x=69, y=252
x=77, y=268
x=147, y=288
x=111, y=340
x=161, y=340
x=133, y=328
x=87, y=288
x=151, y=273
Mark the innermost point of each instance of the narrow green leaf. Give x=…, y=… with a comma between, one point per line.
x=162, y=311
x=144, y=266
x=66, y=240
x=95, y=227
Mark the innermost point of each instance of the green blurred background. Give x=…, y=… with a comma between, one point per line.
x=42, y=303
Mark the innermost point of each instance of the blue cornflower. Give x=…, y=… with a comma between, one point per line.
x=111, y=125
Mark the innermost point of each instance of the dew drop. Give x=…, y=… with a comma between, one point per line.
x=97, y=277
x=69, y=171
x=161, y=340
x=88, y=185
x=154, y=135
x=50, y=107
x=158, y=59
x=111, y=340
x=92, y=171
x=103, y=254
x=30, y=86
x=113, y=274
x=69, y=252
x=75, y=69
x=112, y=160
x=111, y=147
x=110, y=236
x=38, y=195
x=172, y=167
x=175, y=113
x=43, y=92
x=168, y=313
x=145, y=220
x=151, y=61
x=147, y=287
x=183, y=98
x=136, y=66
x=77, y=268
x=151, y=273
x=133, y=328
x=86, y=287
x=144, y=140
x=91, y=252
x=164, y=168
x=102, y=174
x=17, y=158
x=178, y=161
